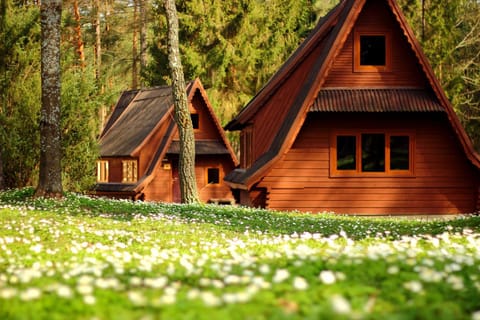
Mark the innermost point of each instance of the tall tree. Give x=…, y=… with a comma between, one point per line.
x=50, y=177
x=3, y=14
x=78, y=35
x=135, y=45
x=188, y=183
x=143, y=39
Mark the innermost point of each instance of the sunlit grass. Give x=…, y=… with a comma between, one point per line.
x=84, y=258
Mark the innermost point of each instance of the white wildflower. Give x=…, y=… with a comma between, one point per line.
x=327, y=277
x=264, y=269
x=393, y=270
x=156, y=283
x=340, y=305
x=8, y=293
x=281, y=275
x=456, y=282
x=30, y=294
x=193, y=294
x=300, y=283
x=476, y=315
x=84, y=289
x=64, y=291
x=89, y=299
x=137, y=298
x=414, y=286
x=210, y=299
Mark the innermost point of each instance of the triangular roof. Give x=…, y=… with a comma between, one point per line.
x=330, y=33
x=139, y=114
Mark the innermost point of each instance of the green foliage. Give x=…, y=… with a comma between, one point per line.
x=20, y=103
x=234, y=47
x=80, y=109
x=94, y=258
x=450, y=37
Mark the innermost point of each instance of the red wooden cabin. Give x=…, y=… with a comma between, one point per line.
x=356, y=122
x=139, y=148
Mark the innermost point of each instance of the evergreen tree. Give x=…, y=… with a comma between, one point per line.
x=449, y=31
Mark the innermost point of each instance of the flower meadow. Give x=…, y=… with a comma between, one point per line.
x=85, y=258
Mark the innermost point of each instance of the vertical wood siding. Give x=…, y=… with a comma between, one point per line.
x=444, y=181
x=207, y=129
x=405, y=70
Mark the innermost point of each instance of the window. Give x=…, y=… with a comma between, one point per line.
x=371, y=52
x=195, y=120
x=102, y=171
x=129, y=170
x=213, y=175
x=373, y=153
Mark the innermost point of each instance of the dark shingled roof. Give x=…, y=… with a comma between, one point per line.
x=376, y=100
x=201, y=147
x=137, y=121
x=122, y=104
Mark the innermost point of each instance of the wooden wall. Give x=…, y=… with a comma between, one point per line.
x=444, y=182
x=405, y=70
x=165, y=181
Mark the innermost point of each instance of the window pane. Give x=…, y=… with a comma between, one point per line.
x=399, y=153
x=372, y=50
x=213, y=175
x=346, y=153
x=195, y=120
x=373, y=152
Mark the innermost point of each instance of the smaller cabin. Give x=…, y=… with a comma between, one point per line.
x=139, y=148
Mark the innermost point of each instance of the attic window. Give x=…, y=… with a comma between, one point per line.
x=372, y=52
x=195, y=120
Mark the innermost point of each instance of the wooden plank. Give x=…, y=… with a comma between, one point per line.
x=352, y=198
x=293, y=182
x=371, y=204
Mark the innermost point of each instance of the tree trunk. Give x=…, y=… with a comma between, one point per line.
x=188, y=183
x=98, y=41
x=50, y=178
x=2, y=178
x=135, y=46
x=78, y=35
x=143, y=39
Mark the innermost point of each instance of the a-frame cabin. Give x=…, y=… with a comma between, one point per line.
x=139, y=148
x=356, y=122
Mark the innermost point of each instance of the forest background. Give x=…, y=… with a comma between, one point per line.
x=233, y=46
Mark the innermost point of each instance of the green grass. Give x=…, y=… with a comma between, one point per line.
x=84, y=258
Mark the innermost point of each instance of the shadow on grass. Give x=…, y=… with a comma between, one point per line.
x=241, y=219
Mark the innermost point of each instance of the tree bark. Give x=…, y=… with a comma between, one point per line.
x=50, y=177
x=188, y=183
x=78, y=35
x=143, y=39
x=98, y=41
x=135, y=46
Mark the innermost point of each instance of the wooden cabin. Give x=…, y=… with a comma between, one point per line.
x=139, y=148
x=355, y=122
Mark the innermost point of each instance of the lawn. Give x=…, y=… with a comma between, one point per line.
x=83, y=258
